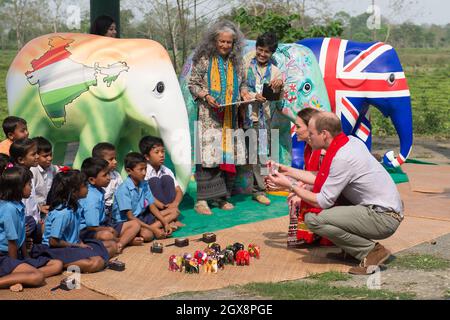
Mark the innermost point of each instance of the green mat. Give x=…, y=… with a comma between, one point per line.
x=399, y=176
x=247, y=210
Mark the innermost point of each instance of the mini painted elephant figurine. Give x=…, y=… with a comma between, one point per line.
x=214, y=247
x=191, y=266
x=236, y=247
x=214, y=266
x=211, y=266
x=242, y=258
x=200, y=256
x=254, y=250
x=221, y=260
x=173, y=265
x=228, y=255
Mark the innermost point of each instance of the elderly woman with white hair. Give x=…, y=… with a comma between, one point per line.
x=217, y=82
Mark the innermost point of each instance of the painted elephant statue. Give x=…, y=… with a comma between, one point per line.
x=78, y=90
x=358, y=75
x=304, y=87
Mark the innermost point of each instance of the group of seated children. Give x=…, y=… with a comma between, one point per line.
x=54, y=217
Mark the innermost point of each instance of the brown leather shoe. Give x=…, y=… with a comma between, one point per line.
x=376, y=257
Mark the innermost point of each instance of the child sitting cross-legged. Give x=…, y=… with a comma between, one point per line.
x=107, y=151
x=94, y=222
x=61, y=238
x=134, y=201
x=17, y=269
x=23, y=152
x=162, y=182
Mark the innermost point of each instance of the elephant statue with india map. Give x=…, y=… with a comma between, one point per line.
x=78, y=90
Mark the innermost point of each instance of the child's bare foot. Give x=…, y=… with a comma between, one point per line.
x=179, y=224
x=138, y=241
x=16, y=288
x=160, y=234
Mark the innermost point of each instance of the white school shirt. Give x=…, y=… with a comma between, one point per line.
x=31, y=205
x=42, y=180
x=163, y=171
x=116, y=181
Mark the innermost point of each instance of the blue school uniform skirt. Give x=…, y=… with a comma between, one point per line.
x=147, y=217
x=71, y=254
x=90, y=234
x=7, y=264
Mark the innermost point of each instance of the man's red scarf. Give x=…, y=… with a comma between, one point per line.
x=338, y=142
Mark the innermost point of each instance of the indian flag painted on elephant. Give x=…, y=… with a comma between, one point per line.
x=60, y=79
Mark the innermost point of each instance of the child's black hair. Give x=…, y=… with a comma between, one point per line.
x=13, y=181
x=4, y=160
x=268, y=39
x=43, y=145
x=62, y=192
x=133, y=159
x=147, y=143
x=10, y=124
x=91, y=167
x=20, y=148
x=99, y=148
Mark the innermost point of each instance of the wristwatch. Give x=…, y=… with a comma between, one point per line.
x=293, y=185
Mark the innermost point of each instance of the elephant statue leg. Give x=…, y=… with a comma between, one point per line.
x=363, y=130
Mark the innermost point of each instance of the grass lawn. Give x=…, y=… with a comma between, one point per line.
x=320, y=287
x=424, y=262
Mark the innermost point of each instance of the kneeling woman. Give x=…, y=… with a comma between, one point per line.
x=62, y=227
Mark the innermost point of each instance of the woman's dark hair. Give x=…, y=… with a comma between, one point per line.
x=43, y=145
x=91, y=167
x=4, y=160
x=62, y=192
x=306, y=114
x=133, y=159
x=12, y=182
x=147, y=143
x=268, y=39
x=101, y=25
x=20, y=148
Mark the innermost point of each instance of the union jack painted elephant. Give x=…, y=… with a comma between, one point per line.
x=358, y=75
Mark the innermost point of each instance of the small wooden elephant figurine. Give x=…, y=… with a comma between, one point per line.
x=221, y=260
x=214, y=247
x=254, y=250
x=191, y=266
x=236, y=247
x=200, y=256
x=229, y=256
x=242, y=258
x=214, y=266
x=173, y=265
